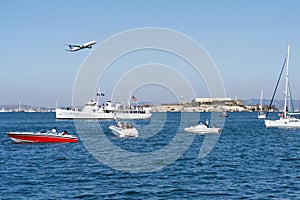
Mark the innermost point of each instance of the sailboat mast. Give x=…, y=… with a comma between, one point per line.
x=286, y=84
x=261, y=97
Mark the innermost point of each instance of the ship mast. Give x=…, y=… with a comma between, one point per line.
x=286, y=84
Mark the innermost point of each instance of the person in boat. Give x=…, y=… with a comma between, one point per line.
x=119, y=124
x=54, y=130
x=207, y=123
x=124, y=125
x=64, y=132
x=130, y=125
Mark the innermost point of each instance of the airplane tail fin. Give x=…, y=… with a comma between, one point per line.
x=70, y=46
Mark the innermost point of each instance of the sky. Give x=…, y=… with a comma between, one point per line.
x=247, y=41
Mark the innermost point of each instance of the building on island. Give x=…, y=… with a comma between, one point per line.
x=205, y=105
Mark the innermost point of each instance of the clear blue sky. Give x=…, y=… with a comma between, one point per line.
x=246, y=39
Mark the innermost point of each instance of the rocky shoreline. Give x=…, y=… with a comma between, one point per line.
x=212, y=105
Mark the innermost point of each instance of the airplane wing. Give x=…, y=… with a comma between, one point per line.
x=89, y=43
x=73, y=45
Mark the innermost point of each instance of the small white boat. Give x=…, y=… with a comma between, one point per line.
x=224, y=114
x=201, y=128
x=124, y=129
x=261, y=116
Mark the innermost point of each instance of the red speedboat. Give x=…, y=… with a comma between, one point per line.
x=41, y=137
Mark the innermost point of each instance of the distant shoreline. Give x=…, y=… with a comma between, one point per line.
x=249, y=105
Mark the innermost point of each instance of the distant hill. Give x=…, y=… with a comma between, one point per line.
x=23, y=108
x=15, y=107
x=277, y=103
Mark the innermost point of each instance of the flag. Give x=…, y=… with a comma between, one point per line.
x=134, y=99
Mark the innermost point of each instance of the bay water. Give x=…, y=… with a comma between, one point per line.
x=248, y=161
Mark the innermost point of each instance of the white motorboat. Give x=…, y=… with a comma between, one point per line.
x=201, y=128
x=224, y=114
x=287, y=119
x=92, y=110
x=124, y=129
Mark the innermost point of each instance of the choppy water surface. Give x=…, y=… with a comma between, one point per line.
x=248, y=161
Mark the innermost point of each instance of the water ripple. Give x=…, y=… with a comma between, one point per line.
x=248, y=162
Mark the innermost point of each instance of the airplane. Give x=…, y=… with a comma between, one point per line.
x=83, y=46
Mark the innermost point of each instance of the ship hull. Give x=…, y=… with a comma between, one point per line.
x=70, y=114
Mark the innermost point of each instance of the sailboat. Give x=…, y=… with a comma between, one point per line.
x=287, y=119
x=261, y=114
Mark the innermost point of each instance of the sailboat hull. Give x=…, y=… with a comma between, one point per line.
x=283, y=123
x=261, y=116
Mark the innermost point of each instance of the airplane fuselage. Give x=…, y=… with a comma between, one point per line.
x=83, y=46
